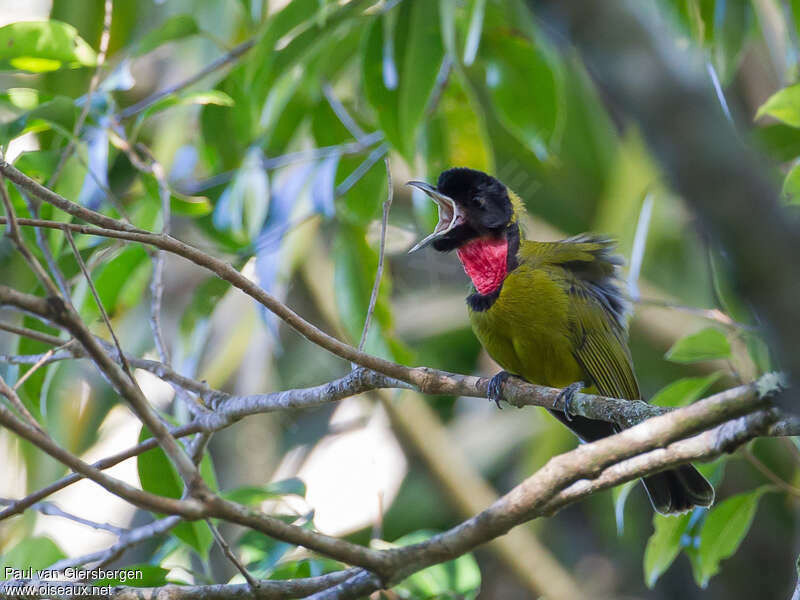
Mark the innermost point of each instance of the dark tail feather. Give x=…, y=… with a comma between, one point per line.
x=678, y=490
x=674, y=491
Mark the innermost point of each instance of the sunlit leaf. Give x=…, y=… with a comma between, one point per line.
x=39, y=46
x=708, y=344
x=783, y=105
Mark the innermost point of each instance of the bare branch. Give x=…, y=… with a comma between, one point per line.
x=127, y=539
x=48, y=508
x=57, y=310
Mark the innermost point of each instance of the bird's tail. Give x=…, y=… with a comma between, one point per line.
x=678, y=490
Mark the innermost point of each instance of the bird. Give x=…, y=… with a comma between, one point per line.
x=550, y=313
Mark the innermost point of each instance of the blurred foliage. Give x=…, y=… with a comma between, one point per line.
x=275, y=162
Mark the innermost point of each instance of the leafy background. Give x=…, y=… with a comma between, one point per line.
x=276, y=162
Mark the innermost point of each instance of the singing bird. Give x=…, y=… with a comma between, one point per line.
x=550, y=313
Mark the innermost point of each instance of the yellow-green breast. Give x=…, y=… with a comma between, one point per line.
x=527, y=329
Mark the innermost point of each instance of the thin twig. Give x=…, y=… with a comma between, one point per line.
x=105, y=38
x=226, y=549
x=31, y=333
x=43, y=360
x=16, y=237
x=373, y=299
x=98, y=301
x=41, y=241
x=127, y=539
x=220, y=62
x=361, y=169
x=50, y=509
x=769, y=473
x=157, y=280
x=341, y=112
x=11, y=395
x=300, y=156
x=639, y=245
x=712, y=314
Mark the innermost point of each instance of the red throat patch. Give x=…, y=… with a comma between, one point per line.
x=485, y=260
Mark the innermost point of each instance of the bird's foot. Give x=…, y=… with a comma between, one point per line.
x=495, y=391
x=568, y=393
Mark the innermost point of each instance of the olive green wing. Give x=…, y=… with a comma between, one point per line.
x=598, y=313
x=600, y=346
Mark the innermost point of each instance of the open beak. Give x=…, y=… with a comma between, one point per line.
x=449, y=215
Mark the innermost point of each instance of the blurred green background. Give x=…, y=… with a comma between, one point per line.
x=275, y=162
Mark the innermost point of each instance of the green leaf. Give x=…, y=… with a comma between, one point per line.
x=663, y=545
x=458, y=579
x=255, y=495
x=783, y=105
x=421, y=64
x=174, y=28
x=726, y=526
x=158, y=476
x=180, y=204
x=144, y=575
x=708, y=344
x=39, y=46
x=684, y=391
x=32, y=553
x=515, y=69
x=119, y=282
x=383, y=99
x=402, y=56
x=59, y=113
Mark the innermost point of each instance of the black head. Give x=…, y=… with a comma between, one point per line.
x=471, y=204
